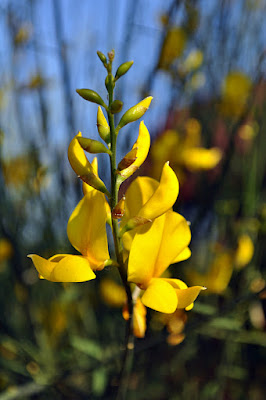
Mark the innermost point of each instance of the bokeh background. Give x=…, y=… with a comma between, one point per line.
x=204, y=64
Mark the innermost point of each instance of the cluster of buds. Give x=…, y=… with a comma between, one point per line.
x=148, y=235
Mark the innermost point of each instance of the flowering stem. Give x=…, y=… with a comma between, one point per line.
x=122, y=388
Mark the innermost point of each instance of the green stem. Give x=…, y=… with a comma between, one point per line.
x=129, y=339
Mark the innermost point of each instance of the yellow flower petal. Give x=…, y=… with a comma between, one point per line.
x=68, y=268
x=164, y=196
x=184, y=255
x=144, y=251
x=199, y=158
x=82, y=167
x=77, y=157
x=160, y=296
x=142, y=145
x=244, y=252
x=175, y=238
x=86, y=228
x=43, y=266
x=138, y=193
x=187, y=296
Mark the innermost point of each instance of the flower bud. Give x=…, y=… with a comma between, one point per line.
x=119, y=209
x=122, y=70
x=111, y=55
x=103, y=127
x=82, y=167
x=92, y=146
x=116, y=106
x=109, y=82
x=102, y=57
x=134, y=223
x=135, y=112
x=92, y=96
x=128, y=160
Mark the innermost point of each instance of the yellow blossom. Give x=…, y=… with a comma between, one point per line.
x=244, y=251
x=141, y=147
x=235, y=92
x=173, y=46
x=219, y=274
x=183, y=152
x=89, y=239
x=152, y=250
x=112, y=294
x=6, y=249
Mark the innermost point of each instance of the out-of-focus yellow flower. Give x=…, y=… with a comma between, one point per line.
x=219, y=274
x=140, y=148
x=17, y=171
x=235, y=92
x=6, y=250
x=36, y=81
x=54, y=320
x=89, y=239
x=199, y=159
x=139, y=318
x=193, y=61
x=173, y=47
x=22, y=35
x=112, y=294
x=244, y=251
x=183, y=152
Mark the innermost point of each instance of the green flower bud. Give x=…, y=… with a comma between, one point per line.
x=92, y=96
x=93, y=146
x=109, y=83
x=102, y=57
x=116, y=106
x=122, y=70
x=103, y=127
x=134, y=113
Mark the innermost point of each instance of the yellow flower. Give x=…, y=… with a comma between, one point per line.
x=82, y=167
x=244, y=251
x=219, y=274
x=113, y=294
x=6, y=250
x=147, y=199
x=183, y=152
x=140, y=148
x=87, y=233
x=236, y=89
x=152, y=250
x=173, y=47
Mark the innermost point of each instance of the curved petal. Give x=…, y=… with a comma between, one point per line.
x=142, y=145
x=138, y=193
x=184, y=255
x=164, y=197
x=86, y=228
x=77, y=158
x=187, y=296
x=160, y=296
x=43, y=266
x=82, y=167
x=72, y=269
x=144, y=251
x=67, y=268
x=175, y=238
